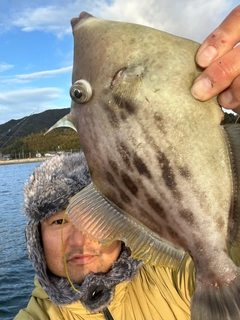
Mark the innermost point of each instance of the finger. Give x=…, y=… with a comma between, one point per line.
x=218, y=76
x=221, y=40
x=230, y=98
x=237, y=110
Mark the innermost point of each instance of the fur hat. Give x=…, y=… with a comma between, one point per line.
x=53, y=183
x=48, y=191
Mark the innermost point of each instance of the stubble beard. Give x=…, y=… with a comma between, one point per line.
x=78, y=272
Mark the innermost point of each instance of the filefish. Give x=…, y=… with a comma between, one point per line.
x=164, y=171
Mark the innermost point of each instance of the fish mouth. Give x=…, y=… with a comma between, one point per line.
x=82, y=17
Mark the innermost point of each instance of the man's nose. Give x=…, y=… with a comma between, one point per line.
x=76, y=237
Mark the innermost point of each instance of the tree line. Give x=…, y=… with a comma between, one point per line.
x=58, y=140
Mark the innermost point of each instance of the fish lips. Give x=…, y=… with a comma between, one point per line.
x=81, y=18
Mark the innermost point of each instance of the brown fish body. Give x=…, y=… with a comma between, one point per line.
x=150, y=146
x=152, y=149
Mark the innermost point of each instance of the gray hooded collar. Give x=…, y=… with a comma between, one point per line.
x=96, y=291
x=48, y=191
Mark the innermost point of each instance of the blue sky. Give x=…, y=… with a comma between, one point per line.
x=36, y=44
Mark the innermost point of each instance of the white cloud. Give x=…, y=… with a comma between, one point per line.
x=43, y=74
x=23, y=102
x=25, y=78
x=49, y=19
x=29, y=96
x=4, y=66
x=194, y=19
x=54, y=18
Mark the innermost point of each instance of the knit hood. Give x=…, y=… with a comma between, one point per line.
x=48, y=191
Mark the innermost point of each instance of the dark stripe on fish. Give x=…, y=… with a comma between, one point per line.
x=184, y=172
x=111, y=115
x=187, y=215
x=220, y=223
x=159, y=122
x=173, y=234
x=111, y=179
x=131, y=186
x=141, y=167
x=114, y=166
x=124, y=153
x=156, y=207
x=124, y=104
x=168, y=174
x=145, y=217
x=125, y=198
x=123, y=116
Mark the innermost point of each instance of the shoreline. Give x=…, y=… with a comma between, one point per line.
x=21, y=161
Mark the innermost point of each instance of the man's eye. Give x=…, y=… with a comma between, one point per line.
x=60, y=221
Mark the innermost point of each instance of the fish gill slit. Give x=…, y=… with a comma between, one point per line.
x=117, y=76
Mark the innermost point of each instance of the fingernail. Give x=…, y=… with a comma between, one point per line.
x=225, y=98
x=201, y=88
x=206, y=56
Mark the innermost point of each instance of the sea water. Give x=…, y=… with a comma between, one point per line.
x=16, y=272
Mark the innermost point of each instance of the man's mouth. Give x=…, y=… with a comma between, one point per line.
x=81, y=259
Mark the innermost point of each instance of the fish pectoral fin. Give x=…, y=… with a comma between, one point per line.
x=102, y=221
x=233, y=137
x=66, y=121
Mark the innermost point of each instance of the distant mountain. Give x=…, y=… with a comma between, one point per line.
x=15, y=129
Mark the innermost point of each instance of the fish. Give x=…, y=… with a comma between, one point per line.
x=164, y=171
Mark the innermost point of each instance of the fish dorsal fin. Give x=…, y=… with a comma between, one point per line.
x=233, y=137
x=66, y=121
x=102, y=221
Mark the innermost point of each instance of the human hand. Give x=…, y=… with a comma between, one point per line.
x=220, y=58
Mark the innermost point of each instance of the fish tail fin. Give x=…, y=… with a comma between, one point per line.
x=217, y=302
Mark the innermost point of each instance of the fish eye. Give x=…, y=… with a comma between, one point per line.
x=81, y=91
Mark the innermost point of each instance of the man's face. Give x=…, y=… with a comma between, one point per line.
x=82, y=254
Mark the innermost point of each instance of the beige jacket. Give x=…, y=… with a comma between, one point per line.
x=155, y=293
